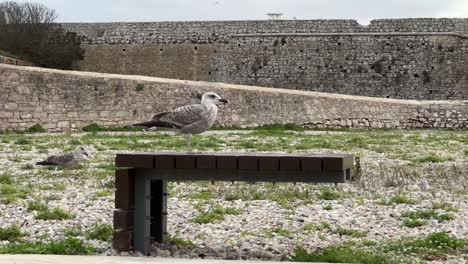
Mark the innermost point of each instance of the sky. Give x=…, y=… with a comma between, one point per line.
x=200, y=10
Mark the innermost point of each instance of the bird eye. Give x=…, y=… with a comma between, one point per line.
x=212, y=96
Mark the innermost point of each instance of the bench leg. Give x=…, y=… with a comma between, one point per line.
x=141, y=233
x=158, y=210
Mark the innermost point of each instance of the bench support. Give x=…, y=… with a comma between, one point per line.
x=141, y=189
x=141, y=233
x=158, y=229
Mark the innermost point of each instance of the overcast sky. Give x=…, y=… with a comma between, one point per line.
x=183, y=10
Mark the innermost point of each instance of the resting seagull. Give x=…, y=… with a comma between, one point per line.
x=189, y=119
x=69, y=159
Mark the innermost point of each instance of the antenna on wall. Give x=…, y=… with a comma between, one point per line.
x=274, y=16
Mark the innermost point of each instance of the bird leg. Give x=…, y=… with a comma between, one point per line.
x=189, y=144
x=188, y=137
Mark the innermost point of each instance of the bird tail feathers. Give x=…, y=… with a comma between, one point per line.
x=44, y=163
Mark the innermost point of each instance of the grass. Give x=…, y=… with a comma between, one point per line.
x=391, y=146
x=73, y=231
x=56, y=213
x=327, y=207
x=419, y=218
x=28, y=166
x=324, y=225
x=102, y=193
x=441, y=205
x=350, y=232
x=431, y=247
x=37, y=206
x=68, y=246
x=329, y=194
x=139, y=87
x=216, y=214
x=428, y=214
x=23, y=141
x=394, y=144
x=339, y=254
x=203, y=195
x=12, y=233
x=278, y=231
x=397, y=199
x=37, y=128
x=409, y=222
x=100, y=231
x=283, y=194
x=179, y=242
x=6, y=178
x=10, y=193
x=430, y=158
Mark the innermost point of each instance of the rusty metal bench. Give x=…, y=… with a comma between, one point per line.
x=141, y=188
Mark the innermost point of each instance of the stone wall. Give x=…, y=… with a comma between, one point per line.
x=67, y=100
x=399, y=58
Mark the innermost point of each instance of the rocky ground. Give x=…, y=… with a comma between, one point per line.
x=409, y=185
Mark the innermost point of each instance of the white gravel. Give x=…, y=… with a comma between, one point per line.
x=248, y=235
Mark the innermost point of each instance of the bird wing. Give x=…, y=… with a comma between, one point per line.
x=61, y=159
x=185, y=115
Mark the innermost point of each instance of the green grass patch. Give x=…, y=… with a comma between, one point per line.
x=340, y=254
x=428, y=214
x=139, y=87
x=441, y=205
x=11, y=193
x=100, y=231
x=216, y=214
x=398, y=199
x=56, y=213
x=27, y=166
x=68, y=246
x=37, y=128
x=327, y=207
x=37, y=206
x=179, y=242
x=73, y=231
x=6, y=178
x=232, y=197
x=329, y=194
x=203, y=195
x=409, y=222
x=102, y=193
x=433, y=246
x=350, y=232
x=23, y=141
x=430, y=158
x=324, y=225
x=278, y=231
x=12, y=233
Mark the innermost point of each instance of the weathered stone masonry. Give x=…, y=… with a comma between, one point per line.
x=399, y=58
x=67, y=100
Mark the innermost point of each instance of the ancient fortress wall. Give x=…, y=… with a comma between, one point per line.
x=400, y=58
x=67, y=100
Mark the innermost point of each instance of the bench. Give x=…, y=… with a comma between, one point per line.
x=140, y=214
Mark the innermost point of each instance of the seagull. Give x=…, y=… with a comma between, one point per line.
x=69, y=159
x=190, y=119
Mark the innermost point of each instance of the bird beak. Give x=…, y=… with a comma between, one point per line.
x=224, y=101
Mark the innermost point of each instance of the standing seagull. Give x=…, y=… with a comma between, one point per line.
x=67, y=159
x=189, y=119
